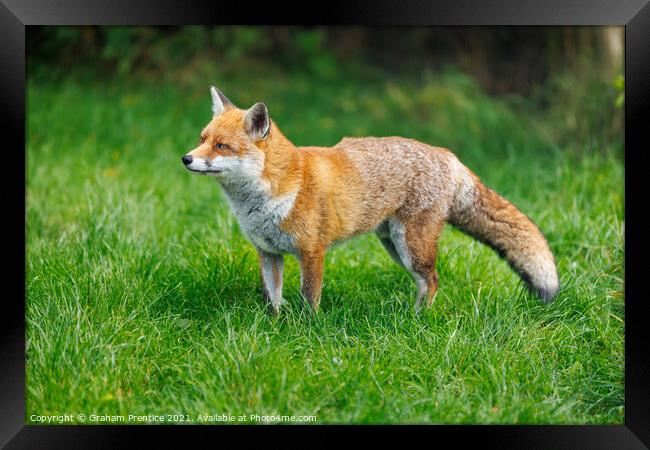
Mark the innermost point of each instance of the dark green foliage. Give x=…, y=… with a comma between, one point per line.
x=569, y=75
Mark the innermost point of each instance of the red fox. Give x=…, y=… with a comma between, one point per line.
x=302, y=200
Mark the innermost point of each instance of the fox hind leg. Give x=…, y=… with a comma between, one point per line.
x=392, y=251
x=415, y=240
x=383, y=234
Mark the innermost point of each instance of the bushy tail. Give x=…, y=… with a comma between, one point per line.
x=493, y=220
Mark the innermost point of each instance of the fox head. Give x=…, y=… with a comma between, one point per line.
x=231, y=144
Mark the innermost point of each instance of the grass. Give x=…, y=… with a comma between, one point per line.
x=143, y=296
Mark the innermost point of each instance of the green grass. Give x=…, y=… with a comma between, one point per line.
x=143, y=296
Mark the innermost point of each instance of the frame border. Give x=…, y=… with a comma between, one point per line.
x=15, y=15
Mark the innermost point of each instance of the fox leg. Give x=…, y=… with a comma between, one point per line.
x=415, y=239
x=311, y=276
x=392, y=251
x=383, y=233
x=271, y=268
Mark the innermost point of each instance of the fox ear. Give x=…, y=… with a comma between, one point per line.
x=219, y=101
x=257, y=122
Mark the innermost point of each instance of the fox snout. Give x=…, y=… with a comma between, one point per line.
x=201, y=165
x=193, y=164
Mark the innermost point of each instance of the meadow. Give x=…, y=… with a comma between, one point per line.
x=144, y=297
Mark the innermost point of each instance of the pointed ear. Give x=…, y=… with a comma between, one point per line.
x=219, y=101
x=257, y=122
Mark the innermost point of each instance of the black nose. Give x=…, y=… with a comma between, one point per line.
x=187, y=159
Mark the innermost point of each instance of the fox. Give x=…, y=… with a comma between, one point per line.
x=300, y=201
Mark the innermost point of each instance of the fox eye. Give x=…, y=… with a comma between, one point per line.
x=201, y=140
x=221, y=146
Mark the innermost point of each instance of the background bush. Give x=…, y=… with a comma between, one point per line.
x=565, y=74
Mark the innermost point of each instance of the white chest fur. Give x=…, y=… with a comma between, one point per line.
x=260, y=216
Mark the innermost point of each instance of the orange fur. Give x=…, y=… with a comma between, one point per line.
x=403, y=189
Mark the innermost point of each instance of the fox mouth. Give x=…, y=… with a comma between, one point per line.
x=205, y=172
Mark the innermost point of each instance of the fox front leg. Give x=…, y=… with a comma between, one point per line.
x=311, y=276
x=271, y=268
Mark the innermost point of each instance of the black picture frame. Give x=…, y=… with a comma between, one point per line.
x=16, y=15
